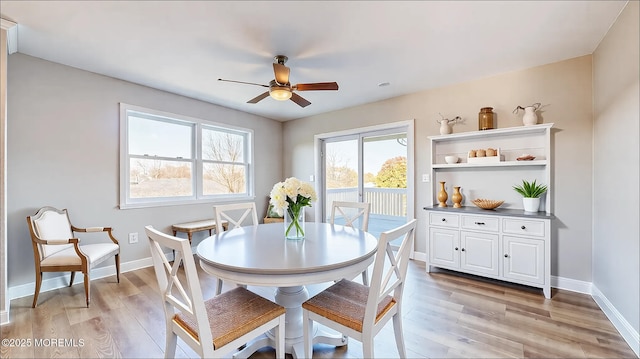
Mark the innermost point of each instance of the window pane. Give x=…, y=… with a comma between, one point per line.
x=224, y=179
x=222, y=146
x=159, y=138
x=155, y=178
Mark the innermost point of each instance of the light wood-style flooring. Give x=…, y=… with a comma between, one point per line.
x=446, y=315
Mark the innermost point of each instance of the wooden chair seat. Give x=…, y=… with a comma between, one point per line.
x=345, y=303
x=232, y=314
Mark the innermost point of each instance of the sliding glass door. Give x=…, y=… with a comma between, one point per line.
x=368, y=166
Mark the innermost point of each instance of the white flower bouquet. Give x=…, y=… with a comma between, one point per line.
x=289, y=199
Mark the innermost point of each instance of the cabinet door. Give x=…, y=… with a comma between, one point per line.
x=524, y=259
x=479, y=253
x=444, y=247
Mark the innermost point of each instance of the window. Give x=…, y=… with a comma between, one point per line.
x=173, y=159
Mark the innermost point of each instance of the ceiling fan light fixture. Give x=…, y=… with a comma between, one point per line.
x=280, y=93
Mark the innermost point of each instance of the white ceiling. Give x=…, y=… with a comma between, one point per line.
x=185, y=46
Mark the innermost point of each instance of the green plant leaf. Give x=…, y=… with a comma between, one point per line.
x=530, y=189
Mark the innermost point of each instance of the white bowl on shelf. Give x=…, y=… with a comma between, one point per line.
x=451, y=159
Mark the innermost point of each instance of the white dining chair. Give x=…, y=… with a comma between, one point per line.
x=358, y=311
x=236, y=215
x=215, y=327
x=348, y=214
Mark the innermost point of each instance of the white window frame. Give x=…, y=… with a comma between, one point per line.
x=196, y=161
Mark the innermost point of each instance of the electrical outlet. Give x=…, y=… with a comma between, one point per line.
x=425, y=178
x=133, y=237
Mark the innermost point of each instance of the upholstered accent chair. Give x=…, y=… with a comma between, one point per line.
x=358, y=311
x=57, y=249
x=349, y=214
x=217, y=326
x=236, y=215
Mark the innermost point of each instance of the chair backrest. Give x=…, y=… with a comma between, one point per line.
x=235, y=214
x=388, y=278
x=351, y=212
x=50, y=223
x=177, y=295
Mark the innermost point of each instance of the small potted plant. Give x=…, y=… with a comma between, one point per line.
x=531, y=192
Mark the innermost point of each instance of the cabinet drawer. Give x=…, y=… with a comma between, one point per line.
x=442, y=219
x=523, y=227
x=480, y=223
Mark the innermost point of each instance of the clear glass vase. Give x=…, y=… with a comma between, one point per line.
x=294, y=223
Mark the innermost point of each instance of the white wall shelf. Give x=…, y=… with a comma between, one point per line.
x=498, y=164
x=493, y=180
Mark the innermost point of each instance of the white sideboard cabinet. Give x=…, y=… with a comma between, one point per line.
x=506, y=243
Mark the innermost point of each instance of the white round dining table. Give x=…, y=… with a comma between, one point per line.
x=261, y=256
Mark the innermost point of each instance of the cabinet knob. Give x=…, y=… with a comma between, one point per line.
x=444, y=220
x=456, y=248
x=462, y=249
x=523, y=227
x=479, y=223
x=506, y=256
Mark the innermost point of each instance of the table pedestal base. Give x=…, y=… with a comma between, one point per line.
x=291, y=298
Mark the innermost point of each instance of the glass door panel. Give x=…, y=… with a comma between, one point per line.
x=341, y=172
x=384, y=158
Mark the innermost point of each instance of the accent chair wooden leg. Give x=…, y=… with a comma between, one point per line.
x=86, y=287
x=38, y=284
x=73, y=276
x=118, y=267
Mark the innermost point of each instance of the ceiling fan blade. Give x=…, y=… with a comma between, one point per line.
x=242, y=82
x=299, y=100
x=259, y=98
x=317, y=86
x=282, y=73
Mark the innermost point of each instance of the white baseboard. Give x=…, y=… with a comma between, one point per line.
x=419, y=256
x=627, y=331
x=25, y=290
x=4, y=317
x=571, y=284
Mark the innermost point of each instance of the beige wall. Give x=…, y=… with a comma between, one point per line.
x=616, y=212
x=564, y=88
x=63, y=151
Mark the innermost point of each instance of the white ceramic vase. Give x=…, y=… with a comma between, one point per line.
x=530, y=118
x=445, y=128
x=531, y=204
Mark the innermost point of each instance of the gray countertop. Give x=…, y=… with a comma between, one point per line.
x=492, y=212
